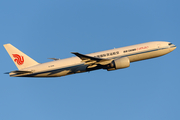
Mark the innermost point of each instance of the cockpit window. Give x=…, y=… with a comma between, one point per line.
x=170, y=44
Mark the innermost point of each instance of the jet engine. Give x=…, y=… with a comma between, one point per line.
x=120, y=63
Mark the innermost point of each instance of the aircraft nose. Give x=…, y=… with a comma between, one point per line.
x=173, y=47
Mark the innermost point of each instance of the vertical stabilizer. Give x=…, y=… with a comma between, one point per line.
x=20, y=59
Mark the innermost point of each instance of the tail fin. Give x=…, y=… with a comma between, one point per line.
x=20, y=59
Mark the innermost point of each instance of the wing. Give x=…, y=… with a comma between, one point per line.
x=92, y=61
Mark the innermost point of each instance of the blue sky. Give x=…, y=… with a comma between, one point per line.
x=147, y=90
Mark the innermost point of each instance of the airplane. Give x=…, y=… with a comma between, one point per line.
x=109, y=60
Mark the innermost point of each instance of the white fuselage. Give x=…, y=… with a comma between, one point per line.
x=76, y=65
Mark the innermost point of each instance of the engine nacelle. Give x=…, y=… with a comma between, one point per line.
x=120, y=63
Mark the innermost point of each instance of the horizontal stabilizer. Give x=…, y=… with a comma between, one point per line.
x=54, y=58
x=19, y=72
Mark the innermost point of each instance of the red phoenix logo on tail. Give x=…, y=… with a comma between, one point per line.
x=19, y=59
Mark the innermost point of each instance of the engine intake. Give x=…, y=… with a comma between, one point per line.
x=120, y=63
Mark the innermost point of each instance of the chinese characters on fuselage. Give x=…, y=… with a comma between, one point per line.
x=107, y=54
